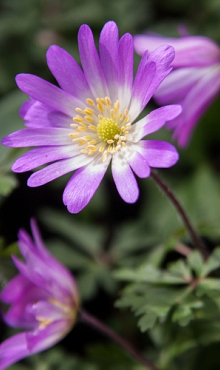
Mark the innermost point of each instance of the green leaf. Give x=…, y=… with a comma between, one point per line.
x=212, y=263
x=195, y=261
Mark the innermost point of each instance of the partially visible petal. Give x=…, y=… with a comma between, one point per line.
x=91, y=63
x=189, y=51
x=41, y=339
x=20, y=314
x=163, y=57
x=67, y=72
x=57, y=169
x=38, y=137
x=153, y=122
x=202, y=94
x=125, y=70
x=108, y=50
x=25, y=107
x=13, y=350
x=177, y=84
x=139, y=165
x=124, y=179
x=158, y=153
x=143, y=79
x=83, y=184
x=39, y=156
x=48, y=94
x=39, y=115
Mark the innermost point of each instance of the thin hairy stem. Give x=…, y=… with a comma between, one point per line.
x=99, y=325
x=195, y=238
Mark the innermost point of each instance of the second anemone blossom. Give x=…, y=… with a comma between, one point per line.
x=43, y=300
x=87, y=121
x=194, y=82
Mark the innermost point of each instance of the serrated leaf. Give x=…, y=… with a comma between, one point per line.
x=196, y=262
x=212, y=263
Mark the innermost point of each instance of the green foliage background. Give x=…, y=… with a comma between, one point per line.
x=119, y=253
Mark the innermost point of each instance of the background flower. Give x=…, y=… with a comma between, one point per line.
x=193, y=83
x=87, y=122
x=43, y=299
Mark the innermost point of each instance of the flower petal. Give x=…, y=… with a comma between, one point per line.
x=91, y=63
x=83, y=184
x=38, y=136
x=13, y=350
x=39, y=156
x=124, y=179
x=67, y=72
x=108, y=50
x=153, y=122
x=125, y=70
x=143, y=79
x=158, y=153
x=48, y=94
x=57, y=169
x=177, y=84
x=139, y=165
x=189, y=51
x=202, y=94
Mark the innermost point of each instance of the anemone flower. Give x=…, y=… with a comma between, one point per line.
x=87, y=122
x=43, y=301
x=194, y=82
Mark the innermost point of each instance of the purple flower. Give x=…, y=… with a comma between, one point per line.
x=87, y=122
x=44, y=301
x=194, y=81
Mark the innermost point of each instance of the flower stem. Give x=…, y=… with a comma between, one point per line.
x=196, y=240
x=99, y=325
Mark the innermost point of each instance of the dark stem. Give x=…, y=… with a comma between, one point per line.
x=99, y=325
x=196, y=240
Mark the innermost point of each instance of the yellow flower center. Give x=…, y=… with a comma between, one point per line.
x=107, y=129
x=100, y=127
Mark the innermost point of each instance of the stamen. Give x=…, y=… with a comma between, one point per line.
x=90, y=102
x=116, y=106
x=92, y=127
x=88, y=118
x=89, y=111
x=79, y=110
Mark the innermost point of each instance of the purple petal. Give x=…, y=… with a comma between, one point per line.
x=25, y=107
x=57, y=169
x=48, y=94
x=38, y=137
x=202, y=94
x=108, y=49
x=153, y=122
x=41, y=339
x=68, y=73
x=124, y=179
x=20, y=315
x=125, y=70
x=189, y=51
x=13, y=350
x=91, y=63
x=39, y=156
x=139, y=165
x=83, y=184
x=158, y=153
x=143, y=79
x=177, y=85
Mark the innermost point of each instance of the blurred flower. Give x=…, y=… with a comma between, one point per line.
x=194, y=81
x=87, y=122
x=44, y=300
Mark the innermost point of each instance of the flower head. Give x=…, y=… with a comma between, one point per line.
x=87, y=122
x=43, y=300
x=194, y=81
